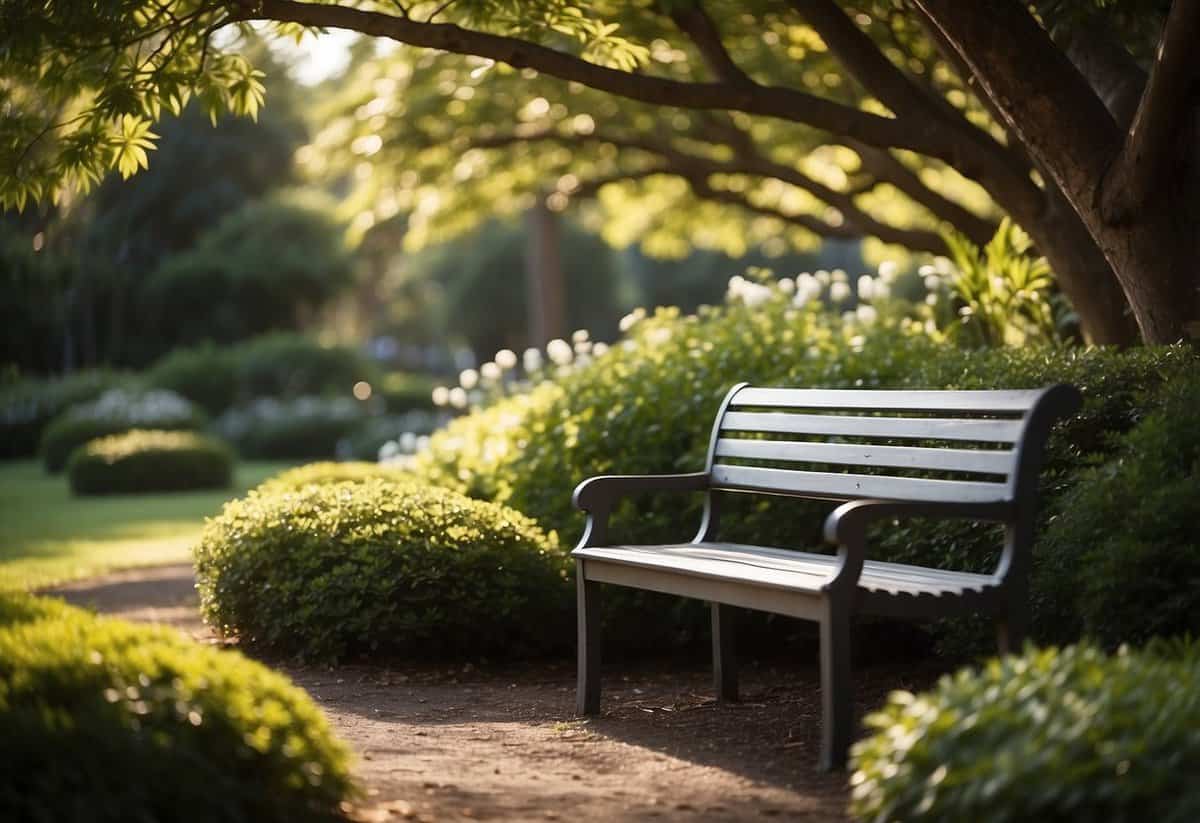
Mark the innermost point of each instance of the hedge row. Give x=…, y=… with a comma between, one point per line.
x=150, y=460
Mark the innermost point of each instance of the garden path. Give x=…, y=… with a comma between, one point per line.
x=502, y=743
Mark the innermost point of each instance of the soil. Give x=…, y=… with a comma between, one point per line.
x=502, y=743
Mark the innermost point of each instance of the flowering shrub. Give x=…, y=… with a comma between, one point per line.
x=115, y=411
x=104, y=720
x=1050, y=735
x=28, y=405
x=149, y=460
x=333, y=570
x=301, y=428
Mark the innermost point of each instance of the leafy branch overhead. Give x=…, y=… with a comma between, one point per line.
x=884, y=118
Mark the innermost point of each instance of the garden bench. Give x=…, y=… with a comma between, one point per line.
x=882, y=455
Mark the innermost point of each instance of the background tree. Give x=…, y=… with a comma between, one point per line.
x=1020, y=100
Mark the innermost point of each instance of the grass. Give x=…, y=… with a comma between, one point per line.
x=48, y=536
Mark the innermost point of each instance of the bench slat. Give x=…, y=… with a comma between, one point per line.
x=918, y=428
x=903, y=457
x=855, y=486
x=889, y=399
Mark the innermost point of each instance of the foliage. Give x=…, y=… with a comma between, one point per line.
x=385, y=567
x=150, y=460
x=115, y=411
x=1142, y=565
x=103, y=720
x=1051, y=736
x=391, y=435
x=34, y=284
x=1003, y=290
x=302, y=428
x=405, y=391
x=205, y=374
x=27, y=405
x=269, y=266
x=328, y=471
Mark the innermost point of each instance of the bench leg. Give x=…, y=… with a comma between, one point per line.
x=587, y=693
x=724, y=650
x=837, y=698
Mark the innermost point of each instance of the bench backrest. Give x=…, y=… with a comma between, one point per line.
x=837, y=444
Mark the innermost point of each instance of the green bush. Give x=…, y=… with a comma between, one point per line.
x=115, y=411
x=292, y=365
x=404, y=391
x=1121, y=556
x=647, y=405
x=381, y=567
x=304, y=428
x=329, y=472
x=28, y=405
x=1049, y=736
x=206, y=375
x=101, y=720
x=150, y=460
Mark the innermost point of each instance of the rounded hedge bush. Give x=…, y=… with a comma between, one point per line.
x=382, y=567
x=29, y=405
x=329, y=471
x=102, y=720
x=150, y=460
x=206, y=375
x=1048, y=736
x=114, y=412
x=304, y=428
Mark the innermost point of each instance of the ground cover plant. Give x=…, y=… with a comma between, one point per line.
x=102, y=720
x=1050, y=735
x=382, y=567
x=48, y=535
x=150, y=460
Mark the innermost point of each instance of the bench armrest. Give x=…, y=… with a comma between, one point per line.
x=597, y=495
x=846, y=527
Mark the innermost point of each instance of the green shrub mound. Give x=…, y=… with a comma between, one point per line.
x=150, y=460
x=380, y=567
x=206, y=375
x=28, y=405
x=304, y=428
x=1121, y=557
x=101, y=720
x=114, y=412
x=328, y=471
x=1049, y=736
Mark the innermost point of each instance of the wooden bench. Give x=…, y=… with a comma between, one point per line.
x=883, y=455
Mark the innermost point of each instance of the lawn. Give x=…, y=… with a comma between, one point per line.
x=49, y=536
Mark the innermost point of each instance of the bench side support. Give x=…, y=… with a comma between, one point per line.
x=724, y=650
x=837, y=696
x=587, y=692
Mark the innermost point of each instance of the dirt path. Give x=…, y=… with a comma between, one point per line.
x=459, y=743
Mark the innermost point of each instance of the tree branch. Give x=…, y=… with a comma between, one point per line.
x=1146, y=154
x=693, y=21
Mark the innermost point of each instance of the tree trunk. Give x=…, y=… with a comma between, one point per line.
x=545, y=281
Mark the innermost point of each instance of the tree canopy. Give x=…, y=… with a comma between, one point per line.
x=811, y=117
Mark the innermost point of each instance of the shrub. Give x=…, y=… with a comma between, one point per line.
x=1131, y=525
x=102, y=720
x=395, y=568
x=403, y=391
x=291, y=365
x=115, y=411
x=301, y=429
x=1049, y=736
x=28, y=405
x=367, y=442
x=206, y=375
x=329, y=472
x=150, y=460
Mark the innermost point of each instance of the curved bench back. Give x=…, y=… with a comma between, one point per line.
x=845, y=444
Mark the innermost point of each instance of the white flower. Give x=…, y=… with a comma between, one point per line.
x=388, y=450
x=823, y=277
x=882, y=290
x=559, y=351
x=408, y=442
x=867, y=314
x=888, y=270
x=468, y=378
x=807, y=288
x=931, y=299
x=632, y=319
x=583, y=347
x=943, y=265
x=506, y=359
x=866, y=287
x=787, y=285
x=422, y=443
x=839, y=292
x=489, y=371
x=659, y=336
x=579, y=336
x=531, y=360
x=755, y=294
x=458, y=397
x=926, y=270
x=599, y=349
x=840, y=276
x=933, y=282
x=848, y=317
x=441, y=396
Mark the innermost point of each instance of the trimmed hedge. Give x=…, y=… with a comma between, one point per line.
x=27, y=406
x=328, y=471
x=150, y=460
x=101, y=720
x=305, y=428
x=114, y=412
x=206, y=375
x=1048, y=736
x=381, y=567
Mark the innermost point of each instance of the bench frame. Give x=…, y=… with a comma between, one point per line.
x=834, y=604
